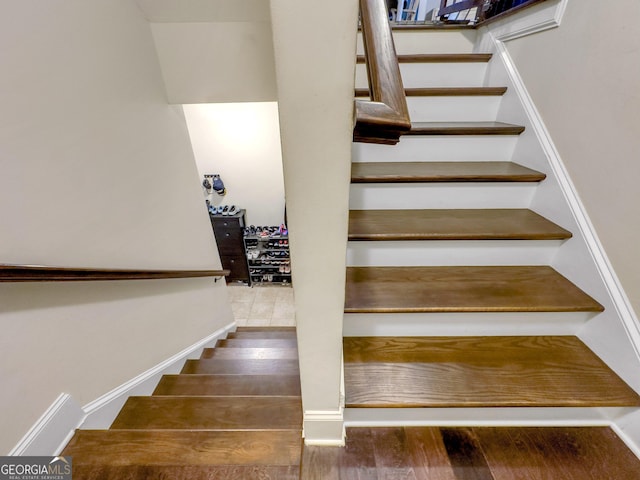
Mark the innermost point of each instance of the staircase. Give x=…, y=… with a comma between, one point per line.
x=455, y=313
x=234, y=413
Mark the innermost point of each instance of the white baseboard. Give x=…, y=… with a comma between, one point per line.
x=324, y=428
x=52, y=430
x=56, y=426
x=102, y=411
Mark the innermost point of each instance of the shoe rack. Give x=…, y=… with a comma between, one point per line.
x=267, y=251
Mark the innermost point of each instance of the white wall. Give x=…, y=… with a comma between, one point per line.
x=210, y=62
x=241, y=142
x=97, y=170
x=584, y=78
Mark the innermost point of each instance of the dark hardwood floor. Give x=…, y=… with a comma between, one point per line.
x=478, y=453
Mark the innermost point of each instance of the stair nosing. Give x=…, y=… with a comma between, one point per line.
x=464, y=128
x=439, y=58
x=445, y=92
x=526, y=175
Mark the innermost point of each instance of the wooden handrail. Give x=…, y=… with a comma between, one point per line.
x=39, y=273
x=385, y=117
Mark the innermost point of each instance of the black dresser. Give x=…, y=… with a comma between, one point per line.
x=228, y=231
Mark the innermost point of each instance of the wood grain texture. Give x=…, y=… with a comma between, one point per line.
x=218, y=385
x=479, y=372
x=381, y=453
x=444, y=92
x=453, y=224
x=464, y=128
x=478, y=453
x=241, y=367
x=255, y=353
x=178, y=472
x=419, y=172
x=463, y=289
x=569, y=453
x=162, y=447
x=210, y=413
x=439, y=58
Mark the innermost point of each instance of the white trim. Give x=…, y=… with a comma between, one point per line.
x=538, y=18
x=482, y=416
x=628, y=441
x=101, y=412
x=324, y=428
x=53, y=429
x=619, y=298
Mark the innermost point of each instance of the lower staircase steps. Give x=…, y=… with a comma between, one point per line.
x=216, y=366
x=263, y=333
x=432, y=172
x=210, y=413
x=254, y=353
x=463, y=289
x=257, y=343
x=520, y=371
x=453, y=224
x=239, y=385
x=198, y=426
x=185, y=455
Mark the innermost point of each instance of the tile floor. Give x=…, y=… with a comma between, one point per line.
x=262, y=306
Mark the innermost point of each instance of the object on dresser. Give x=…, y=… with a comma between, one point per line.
x=228, y=230
x=267, y=252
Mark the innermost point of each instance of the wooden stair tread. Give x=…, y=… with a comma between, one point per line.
x=186, y=472
x=464, y=128
x=243, y=385
x=261, y=334
x=444, y=91
x=463, y=289
x=546, y=371
x=414, y=172
x=475, y=453
x=257, y=343
x=210, y=413
x=250, y=353
x=180, y=447
x=439, y=58
x=452, y=224
x=268, y=330
x=241, y=367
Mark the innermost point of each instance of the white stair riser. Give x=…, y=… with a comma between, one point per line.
x=453, y=109
x=416, y=75
x=462, y=324
x=374, y=196
x=467, y=417
x=411, y=42
x=445, y=148
x=451, y=252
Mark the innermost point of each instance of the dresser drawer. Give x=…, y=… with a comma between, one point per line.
x=237, y=264
x=229, y=240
